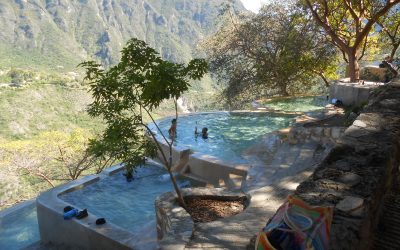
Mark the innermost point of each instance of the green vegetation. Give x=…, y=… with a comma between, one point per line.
x=279, y=51
x=129, y=91
x=349, y=24
x=26, y=112
x=44, y=127
x=48, y=159
x=390, y=38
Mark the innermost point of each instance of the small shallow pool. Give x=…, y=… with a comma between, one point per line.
x=129, y=205
x=229, y=133
x=19, y=228
x=300, y=104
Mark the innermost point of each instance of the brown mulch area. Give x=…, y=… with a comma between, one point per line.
x=208, y=209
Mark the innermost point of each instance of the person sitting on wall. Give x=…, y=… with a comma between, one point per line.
x=172, y=129
x=204, y=133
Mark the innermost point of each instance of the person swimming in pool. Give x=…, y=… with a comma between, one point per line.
x=204, y=132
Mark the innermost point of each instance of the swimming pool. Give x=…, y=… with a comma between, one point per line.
x=299, y=104
x=229, y=133
x=129, y=205
x=19, y=228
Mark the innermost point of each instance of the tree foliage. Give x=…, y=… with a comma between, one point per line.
x=279, y=51
x=129, y=90
x=348, y=24
x=390, y=31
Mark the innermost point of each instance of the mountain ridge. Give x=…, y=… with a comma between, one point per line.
x=54, y=33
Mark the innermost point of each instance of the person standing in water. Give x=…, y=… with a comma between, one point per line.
x=204, y=132
x=172, y=129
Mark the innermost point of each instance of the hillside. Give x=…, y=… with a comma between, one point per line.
x=58, y=34
x=42, y=99
x=42, y=41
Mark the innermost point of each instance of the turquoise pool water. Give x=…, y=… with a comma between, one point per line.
x=129, y=205
x=19, y=228
x=229, y=133
x=300, y=104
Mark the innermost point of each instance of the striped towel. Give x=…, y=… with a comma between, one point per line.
x=297, y=226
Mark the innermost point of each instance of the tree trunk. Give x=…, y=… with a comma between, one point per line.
x=283, y=88
x=177, y=190
x=354, y=68
x=176, y=108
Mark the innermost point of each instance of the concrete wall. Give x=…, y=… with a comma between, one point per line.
x=351, y=93
x=216, y=172
x=206, y=169
x=360, y=171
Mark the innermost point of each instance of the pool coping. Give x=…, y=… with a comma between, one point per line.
x=82, y=233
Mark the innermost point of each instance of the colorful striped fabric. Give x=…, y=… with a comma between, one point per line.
x=297, y=226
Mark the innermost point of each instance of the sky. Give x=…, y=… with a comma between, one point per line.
x=253, y=5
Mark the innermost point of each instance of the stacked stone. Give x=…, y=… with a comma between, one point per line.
x=360, y=171
x=301, y=134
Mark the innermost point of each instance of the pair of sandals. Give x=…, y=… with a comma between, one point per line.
x=82, y=214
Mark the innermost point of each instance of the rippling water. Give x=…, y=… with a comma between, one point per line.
x=129, y=205
x=228, y=133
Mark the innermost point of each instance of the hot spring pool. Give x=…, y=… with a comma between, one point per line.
x=129, y=205
x=299, y=104
x=229, y=133
x=19, y=228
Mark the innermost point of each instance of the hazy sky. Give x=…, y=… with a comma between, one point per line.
x=253, y=5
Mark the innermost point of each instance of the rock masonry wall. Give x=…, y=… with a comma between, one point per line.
x=175, y=225
x=360, y=170
x=301, y=134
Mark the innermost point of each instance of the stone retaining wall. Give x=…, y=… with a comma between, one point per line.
x=175, y=225
x=355, y=177
x=301, y=134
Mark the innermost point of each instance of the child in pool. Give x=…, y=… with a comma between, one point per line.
x=204, y=132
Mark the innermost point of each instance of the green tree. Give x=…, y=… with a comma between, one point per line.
x=390, y=31
x=348, y=24
x=276, y=52
x=76, y=159
x=129, y=90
